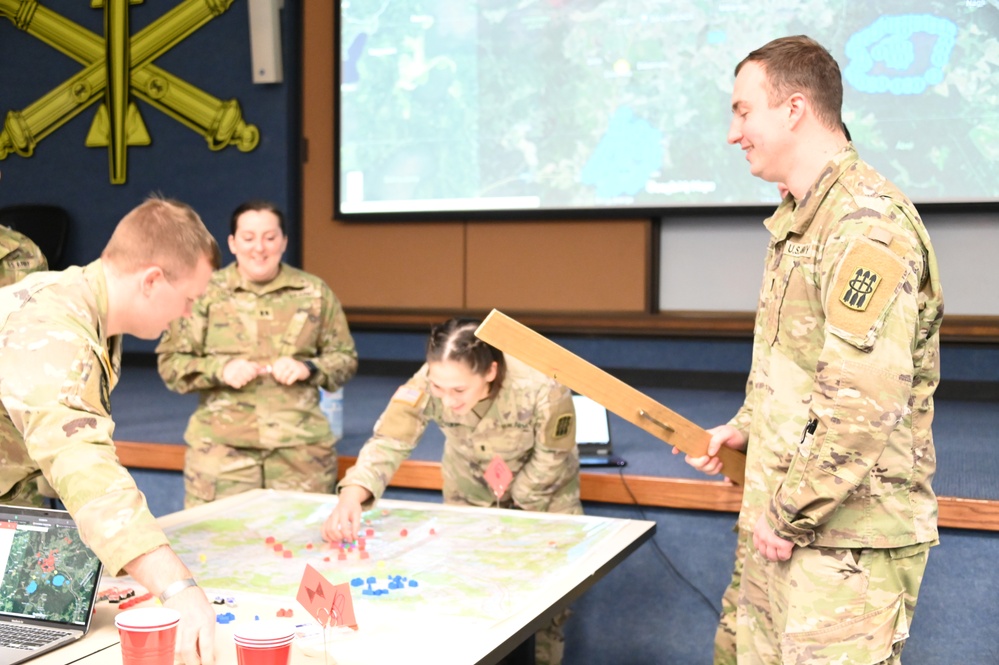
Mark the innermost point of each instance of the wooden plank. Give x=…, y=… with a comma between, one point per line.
x=570, y=370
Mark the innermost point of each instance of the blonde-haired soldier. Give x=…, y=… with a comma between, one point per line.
x=60, y=358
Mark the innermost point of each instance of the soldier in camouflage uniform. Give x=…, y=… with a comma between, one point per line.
x=838, y=513
x=60, y=353
x=18, y=256
x=487, y=405
x=259, y=345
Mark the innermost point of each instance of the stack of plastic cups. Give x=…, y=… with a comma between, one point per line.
x=263, y=643
x=147, y=635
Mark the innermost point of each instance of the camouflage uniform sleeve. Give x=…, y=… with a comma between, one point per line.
x=863, y=379
x=180, y=356
x=337, y=360
x=553, y=461
x=63, y=413
x=744, y=416
x=397, y=433
x=19, y=256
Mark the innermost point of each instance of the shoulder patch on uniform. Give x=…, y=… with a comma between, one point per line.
x=860, y=288
x=560, y=432
x=408, y=395
x=563, y=426
x=864, y=285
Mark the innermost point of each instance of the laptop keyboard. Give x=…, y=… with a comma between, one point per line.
x=27, y=637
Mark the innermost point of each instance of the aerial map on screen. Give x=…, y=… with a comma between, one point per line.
x=574, y=104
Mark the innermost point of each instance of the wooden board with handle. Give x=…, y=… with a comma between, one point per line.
x=616, y=396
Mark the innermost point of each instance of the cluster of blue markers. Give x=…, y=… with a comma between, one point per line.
x=394, y=582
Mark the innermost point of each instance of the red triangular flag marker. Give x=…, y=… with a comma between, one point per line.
x=327, y=603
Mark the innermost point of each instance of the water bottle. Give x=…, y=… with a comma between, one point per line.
x=331, y=404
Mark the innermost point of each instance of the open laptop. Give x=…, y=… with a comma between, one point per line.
x=593, y=434
x=49, y=583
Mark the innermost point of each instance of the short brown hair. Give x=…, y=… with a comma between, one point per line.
x=801, y=64
x=455, y=340
x=161, y=232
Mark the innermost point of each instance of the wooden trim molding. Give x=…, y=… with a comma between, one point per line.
x=156, y=456
x=956, y=328
x=646, y=491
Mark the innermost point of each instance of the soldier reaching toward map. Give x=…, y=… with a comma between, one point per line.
x=257, y=348
x=60, y=357
x=838, y=514
x=494, y=411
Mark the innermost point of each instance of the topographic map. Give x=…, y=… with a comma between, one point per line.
x=479, y=565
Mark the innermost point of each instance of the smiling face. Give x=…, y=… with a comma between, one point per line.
x=457, y=386
x=761, y=131
x=258, y=245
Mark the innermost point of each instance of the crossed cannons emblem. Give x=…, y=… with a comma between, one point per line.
x=116, y=68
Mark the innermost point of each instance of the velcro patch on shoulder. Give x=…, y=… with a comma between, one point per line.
x=404, y=419
x=87, y=387
x=408, y=395
x=864, y=286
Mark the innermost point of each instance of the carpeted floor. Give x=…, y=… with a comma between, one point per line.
x=659, y=607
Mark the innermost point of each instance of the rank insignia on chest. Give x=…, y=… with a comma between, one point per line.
x=860, y=289
x=265, y=313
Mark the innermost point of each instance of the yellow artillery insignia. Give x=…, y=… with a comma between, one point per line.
x=116, y=68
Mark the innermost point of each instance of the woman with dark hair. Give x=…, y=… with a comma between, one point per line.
x=492, y=409
x=257, y=347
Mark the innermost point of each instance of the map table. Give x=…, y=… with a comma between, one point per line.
x=456, y=584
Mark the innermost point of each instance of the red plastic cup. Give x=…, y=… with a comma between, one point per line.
x=147, y=635
x=263, y=643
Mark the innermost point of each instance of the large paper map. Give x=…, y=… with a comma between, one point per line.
x=479, y=565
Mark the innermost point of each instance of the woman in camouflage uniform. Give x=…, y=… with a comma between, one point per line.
x=257, y=348
x=490, y=407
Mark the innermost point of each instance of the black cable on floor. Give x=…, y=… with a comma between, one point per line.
x=662, y=554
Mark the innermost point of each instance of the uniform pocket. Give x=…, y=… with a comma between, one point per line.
x=862, y=640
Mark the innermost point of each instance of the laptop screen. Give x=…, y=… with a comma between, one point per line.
x=592, y=426
x=48, y=573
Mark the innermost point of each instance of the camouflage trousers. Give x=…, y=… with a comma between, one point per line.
x=549, y=642
x=214, y=471
x=823, y=606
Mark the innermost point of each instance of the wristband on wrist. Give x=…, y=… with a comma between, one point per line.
x=176, y=588
x=311, y=367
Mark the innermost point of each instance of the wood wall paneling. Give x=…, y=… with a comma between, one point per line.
x=558, y=266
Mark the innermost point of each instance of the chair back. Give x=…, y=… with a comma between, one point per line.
x=46, y=225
